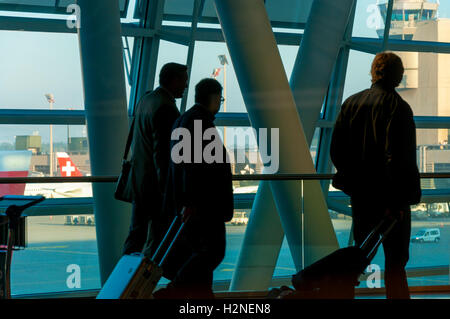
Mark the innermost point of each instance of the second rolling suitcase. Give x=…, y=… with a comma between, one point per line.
x=336, y=275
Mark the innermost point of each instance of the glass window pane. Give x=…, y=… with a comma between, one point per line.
x=285, y=264
x=43, y=63
x=170, y=52
x=206, y=63
x=298, y=10
x=37, y=64
x=358, y=73
x=59, y=257
x=235, y=235
x=368, y=21
x=425, y=85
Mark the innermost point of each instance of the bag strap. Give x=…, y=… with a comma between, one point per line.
x=129, y=139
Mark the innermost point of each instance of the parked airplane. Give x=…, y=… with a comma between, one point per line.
x=62, y=190
x=17, y=164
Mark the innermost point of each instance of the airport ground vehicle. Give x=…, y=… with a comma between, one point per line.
x=239, y=218
x=427, y=235
x=88, y=220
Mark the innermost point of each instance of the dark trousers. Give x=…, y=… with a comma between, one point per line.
x=366, y=215
x=198, y=253
x=144, y=229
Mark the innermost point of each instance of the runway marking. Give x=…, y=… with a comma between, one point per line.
x=45, y=247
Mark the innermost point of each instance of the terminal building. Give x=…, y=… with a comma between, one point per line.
x=284, y=64
x=426, y=80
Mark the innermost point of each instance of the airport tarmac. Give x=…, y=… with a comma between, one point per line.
x=47, y=264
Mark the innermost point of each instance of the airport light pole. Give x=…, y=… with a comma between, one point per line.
x=223, y=61
x=68, y=133
x=51, y=100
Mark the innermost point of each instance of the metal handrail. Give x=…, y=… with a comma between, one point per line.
x=252, y=177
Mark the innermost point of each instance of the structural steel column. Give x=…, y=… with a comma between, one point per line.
x=333, y=104
x=270, y=104
x=147, y=50
x=107, y=122
x=319, y=49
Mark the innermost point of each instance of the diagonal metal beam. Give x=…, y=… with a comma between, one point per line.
x=145, y=55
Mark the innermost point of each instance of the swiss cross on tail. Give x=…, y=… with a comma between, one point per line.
x=66, y=167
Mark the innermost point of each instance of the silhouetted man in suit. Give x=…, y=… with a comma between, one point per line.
x=200, y=182
x=374, y=151
x=154, y=117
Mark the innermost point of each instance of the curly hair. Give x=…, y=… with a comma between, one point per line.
x=388, y=68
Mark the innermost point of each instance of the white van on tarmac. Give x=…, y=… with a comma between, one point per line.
x=427, y=235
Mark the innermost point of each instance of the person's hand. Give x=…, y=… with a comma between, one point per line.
x=187, y=212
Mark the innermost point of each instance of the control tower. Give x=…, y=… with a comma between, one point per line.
x=406, y=16
x=411, y=20
x=426, y=82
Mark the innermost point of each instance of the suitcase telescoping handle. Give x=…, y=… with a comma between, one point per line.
x=379, y=236
x=166, y=239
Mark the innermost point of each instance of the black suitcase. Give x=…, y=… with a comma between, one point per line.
x=336, y=275
x=136, y=276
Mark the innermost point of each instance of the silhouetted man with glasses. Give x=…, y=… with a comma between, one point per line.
x=199, y=181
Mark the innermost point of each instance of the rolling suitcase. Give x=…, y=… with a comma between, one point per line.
x=336, y=275
x=136, y=276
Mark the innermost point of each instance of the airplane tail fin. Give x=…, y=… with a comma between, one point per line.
x=66, y=166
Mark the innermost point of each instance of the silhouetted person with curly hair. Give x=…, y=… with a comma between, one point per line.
x=374, y=151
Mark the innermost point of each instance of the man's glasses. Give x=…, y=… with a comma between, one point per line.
x=222, y=99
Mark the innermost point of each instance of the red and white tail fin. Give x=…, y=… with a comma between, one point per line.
x=66, y=166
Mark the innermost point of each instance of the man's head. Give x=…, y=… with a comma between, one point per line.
x=174, y=78
x=208, y=92
x=387, y=67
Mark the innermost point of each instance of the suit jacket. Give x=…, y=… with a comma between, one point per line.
x=206, y=186
x=154, y=117
x=374, y=148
